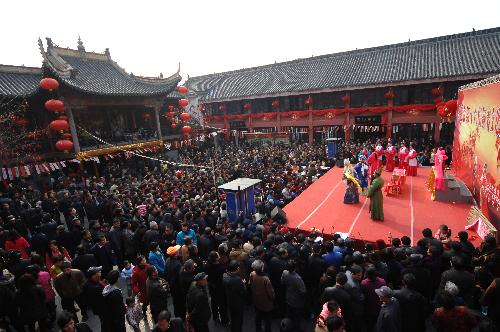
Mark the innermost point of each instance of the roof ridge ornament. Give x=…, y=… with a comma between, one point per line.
x=80, y=47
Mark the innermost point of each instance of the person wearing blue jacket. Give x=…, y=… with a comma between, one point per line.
x=186, y=231
x=156, y=258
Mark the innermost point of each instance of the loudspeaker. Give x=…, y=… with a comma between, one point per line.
x=278, y=215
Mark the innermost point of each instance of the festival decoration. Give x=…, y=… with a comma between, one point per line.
x=173, y=125
x=49, y=84
x=59, y=125
x=172, y=120
x=346, y=99
x=329, y=115
x=309, y=101
x=247, y=106
x=436, y=91
x=451, y=106
x=275, y=103
x=171, y=114
x=222, y=107
x=186, y=130
x=179, y=174
x=389, y=95
x=63, y=117
x=171, y=108
x=146, y=116
x=183, y=102
x=64, y=145
x=67, y=136
x=182, y=89
x=22, y=122
x=438, y=100
x=185, y=116
x=54, y=105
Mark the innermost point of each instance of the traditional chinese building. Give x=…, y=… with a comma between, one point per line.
x=389, y=91
x=100, y=100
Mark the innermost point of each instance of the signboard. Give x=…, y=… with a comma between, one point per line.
x=476, y=146
x=237, y=124
x=368, y=120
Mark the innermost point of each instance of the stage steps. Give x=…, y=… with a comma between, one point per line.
x=456, y=191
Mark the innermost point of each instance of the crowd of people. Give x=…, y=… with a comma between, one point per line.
x=161, y=234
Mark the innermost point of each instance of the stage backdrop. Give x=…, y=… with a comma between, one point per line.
x=476, y=158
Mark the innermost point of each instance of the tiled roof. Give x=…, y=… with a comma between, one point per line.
x=16, y=81
x=98, y=74
x=468, y=54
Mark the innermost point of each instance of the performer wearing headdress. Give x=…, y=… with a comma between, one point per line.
x=439, y=169
x=361, y=169
x=412, y=162
x=375, y=161
x=353, y=189
x=390, y=153
x=374, y=192
x=403, y=152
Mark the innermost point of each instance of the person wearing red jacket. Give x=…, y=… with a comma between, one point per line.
x=390, y=154
x=139, y=278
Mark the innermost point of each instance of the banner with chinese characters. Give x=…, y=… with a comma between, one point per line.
x=476, y=146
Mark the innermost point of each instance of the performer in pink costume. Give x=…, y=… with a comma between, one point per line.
x=439, y=168
x=390, y=153
x=412, y=162
x=380, y=153
x=403, y=152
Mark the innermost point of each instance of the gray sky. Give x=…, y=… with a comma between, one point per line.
x=207, y=36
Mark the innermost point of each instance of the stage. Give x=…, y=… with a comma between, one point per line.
x=321, y=206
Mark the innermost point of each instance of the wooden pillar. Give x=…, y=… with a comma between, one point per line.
x=437, y=132
x=310, y=126
x=157, y=119
x=348, y=129
x=278, y=122
x=250, y=120
x=72, y=128
x=388, y=133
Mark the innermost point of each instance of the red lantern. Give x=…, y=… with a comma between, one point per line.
x=451, y=105
x=67, y=135
x=172, y=120
x=54, y=105
x=222, y=107
x=146, y=116
x=182, y=89
x=179, y=174
x=309, y=101
x=170, y=108
x=438, y=100
x=247, y=106
x=275, y=103
x=185, y=116
x=436, y=92
x=187, y=130
x=63, y=117
x=173, y=126
x=345, y=99
x=438, y=105
x=389, y=95
x=183, y=102
x=59, y=125
x=64, y=145
x=49, y=84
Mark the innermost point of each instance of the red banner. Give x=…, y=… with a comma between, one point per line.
x=476, y=146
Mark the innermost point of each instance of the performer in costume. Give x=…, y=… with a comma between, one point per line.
x=412, y=162
x=439, y=169
x=390, y=154
x=361, y=169
x=374, y=162
x=374, y=192
x=353, y=189
x=403, y=152
x=380, y=154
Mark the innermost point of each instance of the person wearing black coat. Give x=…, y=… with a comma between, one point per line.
x=414, y=306
x=186, y=276
x=92, y=292
x=39, y=242
x=157, y=292
x=206, y=244
x=30, y=298
x=215, y=270
x=236, y=293
x=197, y=306
x=49, y=227
x=114, y=313
x=115, y=236
x=103, y=253
x=83, y=261
x=340, y=294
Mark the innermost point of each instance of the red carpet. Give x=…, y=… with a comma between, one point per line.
x=321, y=206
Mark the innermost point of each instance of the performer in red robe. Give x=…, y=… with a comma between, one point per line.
x=390, y=154
x=412, y=162
x=373, y=161
x=403, y=152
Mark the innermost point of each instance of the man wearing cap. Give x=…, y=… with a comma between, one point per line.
x=69, y=286
x=389, y=318
x=236, y=293
x=374, y=192
x=157, y=292
x=198, y=308
x=92, y=292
